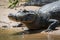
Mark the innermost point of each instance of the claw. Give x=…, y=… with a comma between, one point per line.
x=48, y=30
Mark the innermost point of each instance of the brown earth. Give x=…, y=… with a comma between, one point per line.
x=4, y=32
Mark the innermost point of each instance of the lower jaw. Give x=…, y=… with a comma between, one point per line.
x=33, y=28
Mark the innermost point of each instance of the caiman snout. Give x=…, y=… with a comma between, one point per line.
x=11, y=16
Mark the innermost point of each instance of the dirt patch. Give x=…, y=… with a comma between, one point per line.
x=4, y=11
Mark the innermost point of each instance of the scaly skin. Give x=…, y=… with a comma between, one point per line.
x=47, y=16
x=38, y=2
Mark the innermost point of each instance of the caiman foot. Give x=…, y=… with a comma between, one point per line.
x=48, y=30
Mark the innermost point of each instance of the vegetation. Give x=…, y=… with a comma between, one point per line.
x=13, y=3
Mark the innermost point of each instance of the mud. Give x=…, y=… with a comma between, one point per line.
x=7, y=32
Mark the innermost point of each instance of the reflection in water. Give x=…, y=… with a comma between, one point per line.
x=36, y=36
x=10, y=37
x=49, y=36
x=19, y=37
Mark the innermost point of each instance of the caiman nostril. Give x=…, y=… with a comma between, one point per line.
x=9, y=15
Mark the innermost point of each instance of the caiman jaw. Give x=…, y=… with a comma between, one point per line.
x=11, y=17
x=30, y=21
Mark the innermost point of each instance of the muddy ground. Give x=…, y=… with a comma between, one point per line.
x=6, y=33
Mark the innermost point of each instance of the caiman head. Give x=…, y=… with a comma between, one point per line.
x=23, y=16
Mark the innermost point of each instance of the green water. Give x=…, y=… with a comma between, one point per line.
x=10, y=37
x=19, y=37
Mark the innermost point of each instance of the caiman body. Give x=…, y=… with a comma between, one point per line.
x=38, y=2
x=47, y=16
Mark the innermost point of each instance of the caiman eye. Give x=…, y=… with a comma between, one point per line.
x=30, y=14
x=25, y=11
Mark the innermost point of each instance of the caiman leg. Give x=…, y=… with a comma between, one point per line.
x=53, y=25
